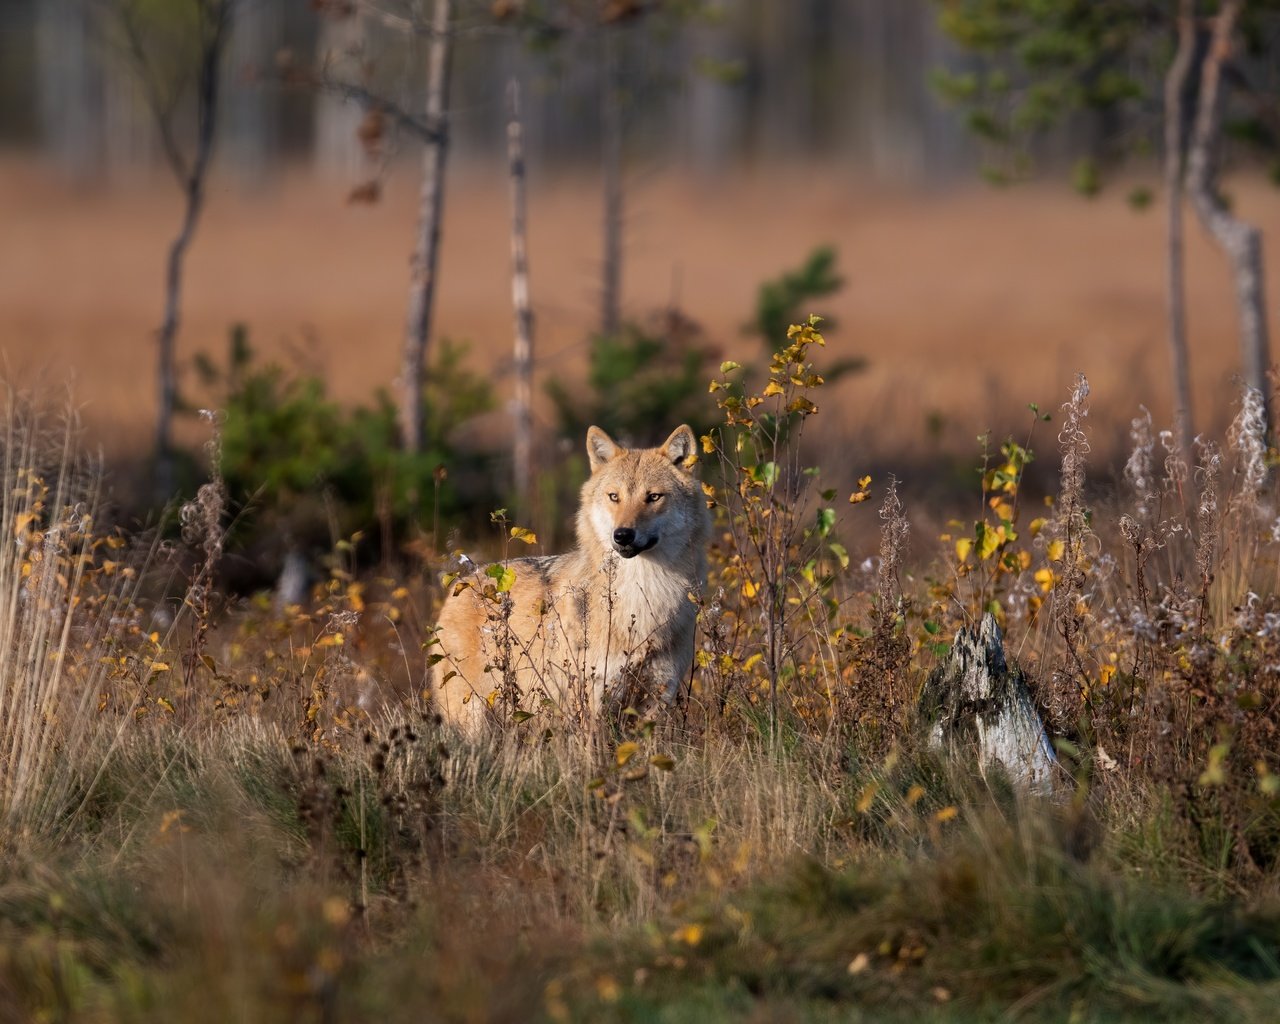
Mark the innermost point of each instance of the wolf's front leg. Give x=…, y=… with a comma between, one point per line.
x=664, y=674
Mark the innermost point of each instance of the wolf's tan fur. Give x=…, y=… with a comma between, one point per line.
x=612, y=620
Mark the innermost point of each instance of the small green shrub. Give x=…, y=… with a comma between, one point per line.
x=302, y=463
x=640, y=383
x=785, y=299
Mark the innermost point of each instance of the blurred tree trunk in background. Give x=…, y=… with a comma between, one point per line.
x=70, y=88
x=756, y=80
x=1175, y=146
x=336, y=145
x=201, y=31
x=250, y=132
x=712, y=104
x=1240, y=241
x=611, y=172
x=128, y=131
x=522, y=412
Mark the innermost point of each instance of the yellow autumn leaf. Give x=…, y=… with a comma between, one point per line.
x=1037, y=525
x=749, y=589
x=1055, y=550
x=946, y=814
x=164, y=703
x=159, y=666
x=625, y=752
x=520, y=533
x=1046, y=579
x=773, y=388
x=863, y=481
x=963, y=546
x=331, y=640
x=689, y=934
x=1002, y=509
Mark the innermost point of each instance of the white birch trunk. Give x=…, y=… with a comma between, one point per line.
x=426, y=254
x=522, y=412
x=1240, y=241
x=1175, y=85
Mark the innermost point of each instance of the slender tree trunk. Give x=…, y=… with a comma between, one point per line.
x=611, y=124
x=1240, y=241
x=523, y=411
x=208, y=94
x=1175, y=86
x=426, y=255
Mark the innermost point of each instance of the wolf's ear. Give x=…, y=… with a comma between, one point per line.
x=600, y=447
x=682, y=447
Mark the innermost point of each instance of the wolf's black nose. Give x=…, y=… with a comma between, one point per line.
x=624, y=536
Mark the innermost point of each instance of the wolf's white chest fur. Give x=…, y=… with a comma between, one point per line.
x=643, y=597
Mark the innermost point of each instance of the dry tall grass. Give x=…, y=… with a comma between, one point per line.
x=224, y=818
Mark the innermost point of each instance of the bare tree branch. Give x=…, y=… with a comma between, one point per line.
x=159, y=100
x=420, y=126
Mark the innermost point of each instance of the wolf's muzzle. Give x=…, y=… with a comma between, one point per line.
x=624, y=542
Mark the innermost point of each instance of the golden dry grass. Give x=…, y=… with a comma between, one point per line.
x=968, y=303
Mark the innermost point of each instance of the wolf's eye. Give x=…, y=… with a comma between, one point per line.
x=653, y=496
x=613, y=496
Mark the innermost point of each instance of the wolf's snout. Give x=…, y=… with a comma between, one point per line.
x=624, y=536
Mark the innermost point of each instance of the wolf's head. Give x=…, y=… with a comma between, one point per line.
x=641, y=499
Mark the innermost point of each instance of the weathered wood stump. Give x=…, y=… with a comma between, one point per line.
x=976, y=703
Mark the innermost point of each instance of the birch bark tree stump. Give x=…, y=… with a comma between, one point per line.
x=976, y=703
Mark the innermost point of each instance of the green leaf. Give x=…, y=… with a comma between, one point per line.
x=503, y=575
x=826, y=520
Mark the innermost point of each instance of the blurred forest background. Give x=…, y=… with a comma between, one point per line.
x=697, y=173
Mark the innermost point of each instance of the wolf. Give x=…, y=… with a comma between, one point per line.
x=608, y=624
